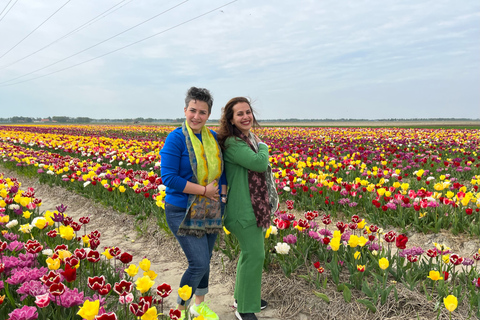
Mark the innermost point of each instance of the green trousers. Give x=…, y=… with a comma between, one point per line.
x=248, y=283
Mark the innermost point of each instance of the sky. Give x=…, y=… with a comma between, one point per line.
x=319, y=59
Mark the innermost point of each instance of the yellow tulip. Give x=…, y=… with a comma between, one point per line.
x=434, y=275
x=450, y=303
x=144, y=284
x=144, y=264
x=107, y=254
x=132, y=270
x=63, y=254
x=357, y=255
x=27, y=214
x=383, y=263
x=335, y=244
x=53, y=264
x=66, y=232
x=151, y=314
x=361, y=224
x=151, y=274
x=267, y=233
x=40, y=223
x=185, y=292
x=89, y=309
x=226, y=231
x=25, y=228
x=353, y=241
x=446, y=258
x=362, y=241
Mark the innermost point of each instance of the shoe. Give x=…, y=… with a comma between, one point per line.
x=245, y=316
x=203, y=310
x=263, y=304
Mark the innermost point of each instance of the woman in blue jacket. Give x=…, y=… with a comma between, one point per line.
x=192, y=171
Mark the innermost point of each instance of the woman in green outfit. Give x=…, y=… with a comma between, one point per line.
x=248, y=209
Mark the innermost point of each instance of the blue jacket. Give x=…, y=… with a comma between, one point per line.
x=176, y=169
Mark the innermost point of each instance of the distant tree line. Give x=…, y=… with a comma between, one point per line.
x=64, y=119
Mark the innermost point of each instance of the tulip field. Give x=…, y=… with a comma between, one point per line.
x=350, y=199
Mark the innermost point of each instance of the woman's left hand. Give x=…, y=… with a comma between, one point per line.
x=212, y=191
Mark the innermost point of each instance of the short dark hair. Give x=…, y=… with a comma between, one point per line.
x=200, y=94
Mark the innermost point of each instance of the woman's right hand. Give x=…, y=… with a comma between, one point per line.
x=257, y=138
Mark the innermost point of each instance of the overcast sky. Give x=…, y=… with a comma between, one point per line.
x=358, y=59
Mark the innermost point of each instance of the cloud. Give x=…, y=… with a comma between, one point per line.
x=293, y=57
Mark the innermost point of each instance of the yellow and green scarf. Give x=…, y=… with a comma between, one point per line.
x=203, y=215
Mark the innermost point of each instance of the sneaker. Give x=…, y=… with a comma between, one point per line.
x=263, y=304
x=203, y=310
x=245, y=316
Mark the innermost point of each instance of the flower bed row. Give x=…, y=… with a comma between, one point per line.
x=51, y=267
x=356, y=256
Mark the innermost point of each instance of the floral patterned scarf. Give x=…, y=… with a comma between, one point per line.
x=203, y=215
x=257, y=183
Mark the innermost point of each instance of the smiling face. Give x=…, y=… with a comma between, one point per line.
x=242, y=117
x=196, y=114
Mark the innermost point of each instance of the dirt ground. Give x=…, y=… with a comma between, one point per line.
x=289, y=298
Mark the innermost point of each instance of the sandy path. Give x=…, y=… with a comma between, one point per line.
x=146, y=240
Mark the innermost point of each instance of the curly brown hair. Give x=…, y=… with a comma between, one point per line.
x=227, y=129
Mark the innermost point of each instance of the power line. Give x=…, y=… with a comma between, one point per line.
x=8, y=9
x=35, y=29
x=83, y=26
x=121, y=48
x=97, y=44
x=5, y=7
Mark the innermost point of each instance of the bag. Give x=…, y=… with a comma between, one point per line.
x=272, y=190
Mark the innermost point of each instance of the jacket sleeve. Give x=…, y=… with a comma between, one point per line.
x=244, y=156
x=171, y=154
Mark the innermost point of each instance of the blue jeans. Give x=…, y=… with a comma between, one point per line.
x=197, y=250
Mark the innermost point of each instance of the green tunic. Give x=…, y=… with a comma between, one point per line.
x=239, y=158
x=240, y=221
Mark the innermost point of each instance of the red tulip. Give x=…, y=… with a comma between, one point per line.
x=57, y=289
x=106, y=316
x=123, y=287
x=70, y=274
x=50, y=278
x=164, y=290
x=390, y=236
x=125, y=257
x=432, y=253
x=105, y=289
x=114, y=251
x=93, y=256
x=80, y=253
x=401, y=241
x=61, y=247
x=96, y=283
x=175, y=314
x=84, y=220
x=455, y=259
